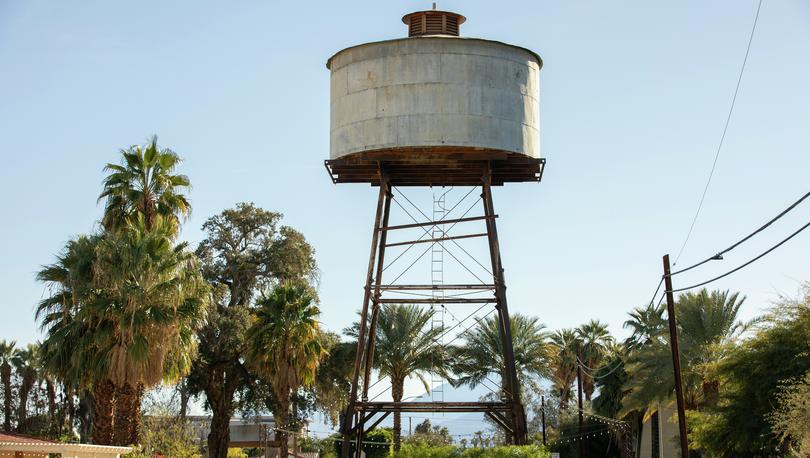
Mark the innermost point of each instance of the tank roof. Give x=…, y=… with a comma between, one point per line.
x=438, y=37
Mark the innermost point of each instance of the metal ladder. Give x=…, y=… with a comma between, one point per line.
x=437, y=310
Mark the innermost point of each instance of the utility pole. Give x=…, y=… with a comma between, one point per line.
x=543, y=417
x=676, y=358
x=579, y=403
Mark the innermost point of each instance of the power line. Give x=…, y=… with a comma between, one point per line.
x=743, y=240
x=761, y=255
x=722, y=137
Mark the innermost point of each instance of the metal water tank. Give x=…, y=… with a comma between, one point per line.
x=434, y=96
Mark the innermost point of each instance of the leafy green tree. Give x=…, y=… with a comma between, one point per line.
x=429, y=434
x=7, y=351
x=333, y=379
x=285, y=346
x=752, y=380
x=145, y=185
x=164, y=432
x=406, y=346
x=244, y=253
x=791, y=419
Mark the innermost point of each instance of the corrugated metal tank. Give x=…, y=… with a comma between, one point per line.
x=434, y=92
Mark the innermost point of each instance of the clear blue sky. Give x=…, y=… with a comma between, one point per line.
x=633, y=99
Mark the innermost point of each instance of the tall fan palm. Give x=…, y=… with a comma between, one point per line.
x=156, y=298
x=647, y=324
x=707, y=323
x=482, y=354
x=405, y=346
x=564, y=345
x=285, y=345
x=7, y=351
x=594, y=338
x=145, y=184
x=26, y=363
x=70, y=349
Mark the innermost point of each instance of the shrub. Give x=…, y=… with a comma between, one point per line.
x=449, y=451
x=382, y=436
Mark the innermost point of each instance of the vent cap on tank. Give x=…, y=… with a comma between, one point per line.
x=433, y=22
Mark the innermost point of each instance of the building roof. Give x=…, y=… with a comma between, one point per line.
x=33, y=446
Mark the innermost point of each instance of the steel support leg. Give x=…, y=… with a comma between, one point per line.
x=510, y=382
x=368, y=359
x=348, y=422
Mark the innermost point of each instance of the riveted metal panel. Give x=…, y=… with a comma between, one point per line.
x=444, y=92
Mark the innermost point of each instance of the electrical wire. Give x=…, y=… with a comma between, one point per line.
x=744, y=239
x=723, y=136
x=592, y=373
x=760, y=256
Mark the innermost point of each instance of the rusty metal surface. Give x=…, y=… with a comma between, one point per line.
x=435, y=92
x=446, y=407
x=415, y=167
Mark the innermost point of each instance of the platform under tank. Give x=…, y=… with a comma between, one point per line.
x=435, y=108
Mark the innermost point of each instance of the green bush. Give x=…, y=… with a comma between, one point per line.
x=422, y=450
x=236, y=453
x=382, y=436
x=449, y=451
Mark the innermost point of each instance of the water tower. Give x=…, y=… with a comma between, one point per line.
x=434, y=110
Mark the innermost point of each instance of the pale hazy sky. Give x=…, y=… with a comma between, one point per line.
x=633, y=99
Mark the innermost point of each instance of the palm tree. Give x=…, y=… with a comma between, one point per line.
x=145, y=184
x=564, y=344
x=285, y=346
x=405, y=346
x=156, y=298
x=707, y=324
x=647, y=324
x=594, y=338
x=708, y=321
x=482, y=352
x=25, y=362
x=7, y=351
x=69, y=350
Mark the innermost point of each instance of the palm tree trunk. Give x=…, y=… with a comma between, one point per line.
x=127, y=414
x=711, y=392
x=22, y=412
x=51, y=390
x=103, y=407
x=396, y=393
x=53, y=422
x=185, y=394
x=283, y=420
x=85, y=414
x=5, y=373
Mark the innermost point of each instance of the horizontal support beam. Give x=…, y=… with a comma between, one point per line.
x=461, y=407
x=438, y=300
x=434, y=287
x=436, y=223
x=440, y=239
